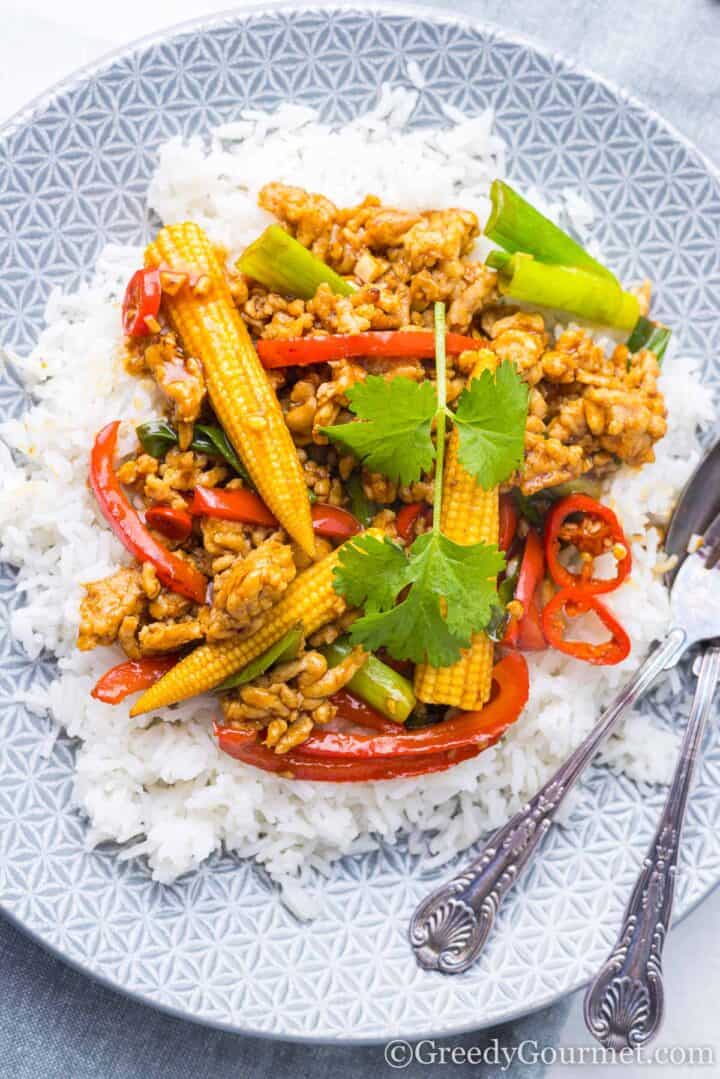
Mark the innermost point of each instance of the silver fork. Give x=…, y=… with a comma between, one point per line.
x=450, y=927
x=624, y=1005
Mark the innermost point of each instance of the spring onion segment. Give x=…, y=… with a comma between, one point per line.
x=567, y=288
x=376, y=683
x=282, y=264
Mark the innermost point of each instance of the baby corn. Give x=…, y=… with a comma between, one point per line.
x=240, y=393
x=310, y=600
x=469, y=515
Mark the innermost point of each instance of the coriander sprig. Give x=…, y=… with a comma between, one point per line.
x=424, y=604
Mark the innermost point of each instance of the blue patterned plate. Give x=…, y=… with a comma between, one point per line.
x=218, y=946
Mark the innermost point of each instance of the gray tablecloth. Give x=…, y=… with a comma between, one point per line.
x=56, y=1024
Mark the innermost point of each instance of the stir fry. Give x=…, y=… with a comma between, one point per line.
x=374, y=483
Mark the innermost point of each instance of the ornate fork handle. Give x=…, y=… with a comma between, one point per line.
x=624, y=1005
x=450, y=927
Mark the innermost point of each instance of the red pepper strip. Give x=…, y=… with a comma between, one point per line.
x=173, y=523
x=573, y=603
x=239, y=505
x=130, y=677
x=296, y=765
x=141, y=301
x=352, y=710
x=408, y=515
x=243, y=505
x=333, y=521
x=174, y=572
x=530, y=632
x=557, y=517
x=479, y=729
x=508, y=522
x=532, y=571
x=393, y=343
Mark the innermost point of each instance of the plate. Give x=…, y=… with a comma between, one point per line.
x=218, y=946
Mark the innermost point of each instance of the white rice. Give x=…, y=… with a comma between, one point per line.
x=164, y=785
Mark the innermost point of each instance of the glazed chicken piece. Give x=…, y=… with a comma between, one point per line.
x=587, y=410
x=248, y=588
x=180, y=377
x=106, y=605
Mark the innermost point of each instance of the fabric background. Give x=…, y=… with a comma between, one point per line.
x=54, y=1022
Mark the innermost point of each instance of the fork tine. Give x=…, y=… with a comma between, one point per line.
x=710, y=549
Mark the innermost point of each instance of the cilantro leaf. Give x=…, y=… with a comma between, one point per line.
x=370, y=572
x=394, y=435
x=490, y=420
x=451, y=591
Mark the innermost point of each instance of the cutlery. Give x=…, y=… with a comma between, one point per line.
x=451, y=925
x=624, y=1005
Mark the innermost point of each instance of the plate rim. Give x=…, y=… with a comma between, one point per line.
x=24, y=116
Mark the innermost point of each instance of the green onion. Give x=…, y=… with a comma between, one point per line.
x=360, y=505
x=651, y=335
x=375, y=683
x=157, y=436
x=517, y=226
x=283, y=265
x=284, y=649
x=598, y=299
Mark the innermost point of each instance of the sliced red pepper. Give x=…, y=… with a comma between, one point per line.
x=570, y=602
x=130, y=677
x=141, y=301
x=530, y=630
x=174, y=523
x=396, y=344
x=480, y=729
x=296, y=765
x=174, y=572
x=339, y=757
x=508, y=522
x=610, y=532
x=352, y=710
x=333, y=522
x=234, y=505
x=408, y=515
x=532, y=571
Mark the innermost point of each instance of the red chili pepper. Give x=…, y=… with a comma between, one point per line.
x=173, y=571
x=243, y=505
x=610, y=532
x=532, y=571
x=397, y=344
x=141, y=301
x=408, y=515
x=174, y=523
x=508, y=522
x=571, y=602
x=480, y=729
x=130, y=677
x=296, y=765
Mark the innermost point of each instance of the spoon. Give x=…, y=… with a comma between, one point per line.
x=451, y=925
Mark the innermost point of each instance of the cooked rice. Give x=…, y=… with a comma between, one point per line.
x=165, y=785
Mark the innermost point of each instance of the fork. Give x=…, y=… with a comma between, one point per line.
x=624, y=1005
x=451, y=925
